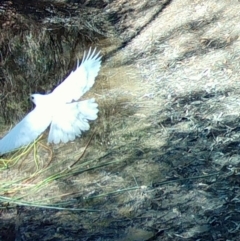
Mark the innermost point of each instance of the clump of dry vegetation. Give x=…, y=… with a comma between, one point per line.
x=36, y=40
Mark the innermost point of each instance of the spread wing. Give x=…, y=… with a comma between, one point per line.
x=71, y=120
x=80, y=80
x=26, y=131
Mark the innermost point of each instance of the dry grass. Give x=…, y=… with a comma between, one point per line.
x=165, y=153
x=29, y=174
x=190, y=55
x=38, y=46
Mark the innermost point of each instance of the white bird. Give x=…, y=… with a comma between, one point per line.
x=59, y=109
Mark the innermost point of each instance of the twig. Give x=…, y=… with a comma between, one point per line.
x=83, y=150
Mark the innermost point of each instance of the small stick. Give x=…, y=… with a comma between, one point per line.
x=84, y=150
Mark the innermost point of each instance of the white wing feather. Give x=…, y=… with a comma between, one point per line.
x=71, y=120
x=80, y=80
x=26, y=131
x=67, y=119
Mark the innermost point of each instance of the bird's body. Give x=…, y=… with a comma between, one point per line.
x=59, y=109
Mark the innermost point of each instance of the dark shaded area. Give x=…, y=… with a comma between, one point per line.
x=39, y=46
x=195, y=158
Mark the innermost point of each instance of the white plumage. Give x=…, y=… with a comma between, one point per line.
x=59, y=109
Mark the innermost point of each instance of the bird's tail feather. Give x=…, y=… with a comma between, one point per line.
x=72, y=120
x=88, y=108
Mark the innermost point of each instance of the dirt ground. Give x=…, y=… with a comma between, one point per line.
x=162, y=160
